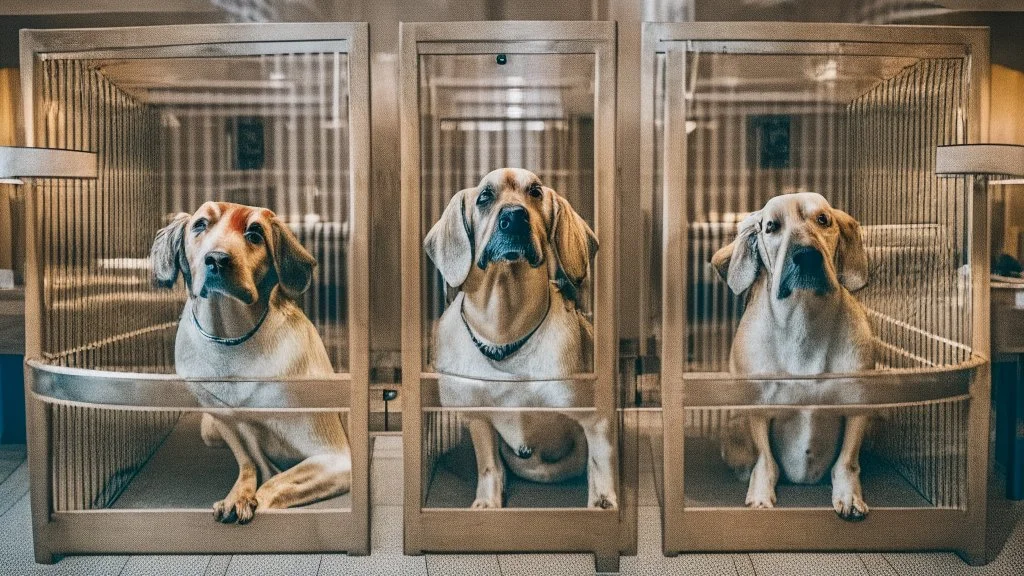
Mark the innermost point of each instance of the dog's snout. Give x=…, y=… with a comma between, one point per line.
x=514, y=220
x=216, y=262
x=807, y=257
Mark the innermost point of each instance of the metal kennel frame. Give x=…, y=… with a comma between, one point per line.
x=531, y=528
x=103, y=402
x=870, y=153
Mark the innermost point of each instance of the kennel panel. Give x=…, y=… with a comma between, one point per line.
x=855, y=113
x=477, y=97
x=273, y=115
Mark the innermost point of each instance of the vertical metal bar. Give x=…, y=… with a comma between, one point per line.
x=674, y=295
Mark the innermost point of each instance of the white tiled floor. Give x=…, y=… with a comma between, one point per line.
x=387, y=558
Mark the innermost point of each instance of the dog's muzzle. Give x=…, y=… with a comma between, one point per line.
x=804, y=269
x=512, y=239
x=222, y=277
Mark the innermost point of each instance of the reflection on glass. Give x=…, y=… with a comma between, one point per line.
x=170, y=134
x=507, y=189
x=860, y=131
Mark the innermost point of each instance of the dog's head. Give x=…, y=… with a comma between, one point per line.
x=801, y=242
x=238, y=251
x=510, y=219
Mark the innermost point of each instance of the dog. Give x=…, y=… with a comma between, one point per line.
x=244, y=269
x=798, y=259
x=517, y=255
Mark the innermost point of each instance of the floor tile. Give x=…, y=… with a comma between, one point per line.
x=273, y=564
x=463, y=565
x=808, y=565
x=551, y=564
x=166, y=565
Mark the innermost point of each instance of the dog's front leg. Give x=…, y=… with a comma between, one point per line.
x=847, y=498
x=315, y=478
x=240, y=503
x=490, y=470
x=602, y=462
x=765, y=475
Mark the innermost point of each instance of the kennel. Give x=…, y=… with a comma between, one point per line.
x=476, y=96
x=734, y=114
x=152, y=121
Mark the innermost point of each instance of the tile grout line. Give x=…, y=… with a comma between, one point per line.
x=11, y=473
x=867, y=569
x=886, y=558
x=14, y=503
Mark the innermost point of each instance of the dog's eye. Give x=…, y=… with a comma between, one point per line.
x=485, y=197
x=254, y=237
x=200, y=225
x=824, y=220
x=771, y=226
x=536, y=191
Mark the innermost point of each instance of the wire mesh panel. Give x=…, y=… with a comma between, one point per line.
x=178, y=118
x=510, y=125
x=735, y=121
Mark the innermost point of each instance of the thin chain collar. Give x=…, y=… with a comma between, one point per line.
x=230, y=341
x=499, y=352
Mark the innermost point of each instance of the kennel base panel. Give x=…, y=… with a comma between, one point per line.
x=516, y=530
x=711, y=484
x=109, y=531
x=817, y=530
x=169, y=478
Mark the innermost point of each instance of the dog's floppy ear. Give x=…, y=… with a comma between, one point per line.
x=739, y=262
x=574, y=242
x=168, y=252
x=292, y=262
x=851, y=258
x=448, y=244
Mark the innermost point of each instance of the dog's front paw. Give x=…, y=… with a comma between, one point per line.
x=760, y=497
x=234, y=508
x=482, y=503
x=605, y=501
x=847, y=497
x=849, y=506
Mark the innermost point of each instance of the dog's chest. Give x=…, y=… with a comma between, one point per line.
x=535, y=375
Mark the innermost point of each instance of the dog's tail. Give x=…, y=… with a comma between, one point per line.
x=537, y=467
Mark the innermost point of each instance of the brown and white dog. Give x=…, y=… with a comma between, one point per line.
x=798, y=260
x=513, y=335
x=244, y=269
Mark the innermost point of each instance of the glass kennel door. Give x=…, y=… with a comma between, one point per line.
x=736, y=115
x=478, y=97
x=267, y=115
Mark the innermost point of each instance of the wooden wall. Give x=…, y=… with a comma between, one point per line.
x=1007, y=127
x=11, y=250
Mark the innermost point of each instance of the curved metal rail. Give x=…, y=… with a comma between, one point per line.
x=138, y=391
x=876, y=388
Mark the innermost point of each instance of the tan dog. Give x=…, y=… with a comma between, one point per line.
x=798, y=259
x=243, y=269
x=518, y=253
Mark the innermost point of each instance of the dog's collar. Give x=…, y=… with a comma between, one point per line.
x=230, y=341
x=499, y=352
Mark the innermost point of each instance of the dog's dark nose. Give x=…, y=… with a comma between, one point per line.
x=807, y=258
x=514, y=220
x=216, y=262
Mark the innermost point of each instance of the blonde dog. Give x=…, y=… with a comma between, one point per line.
x=518, y=254
x=798, y=260
x=244, y=269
